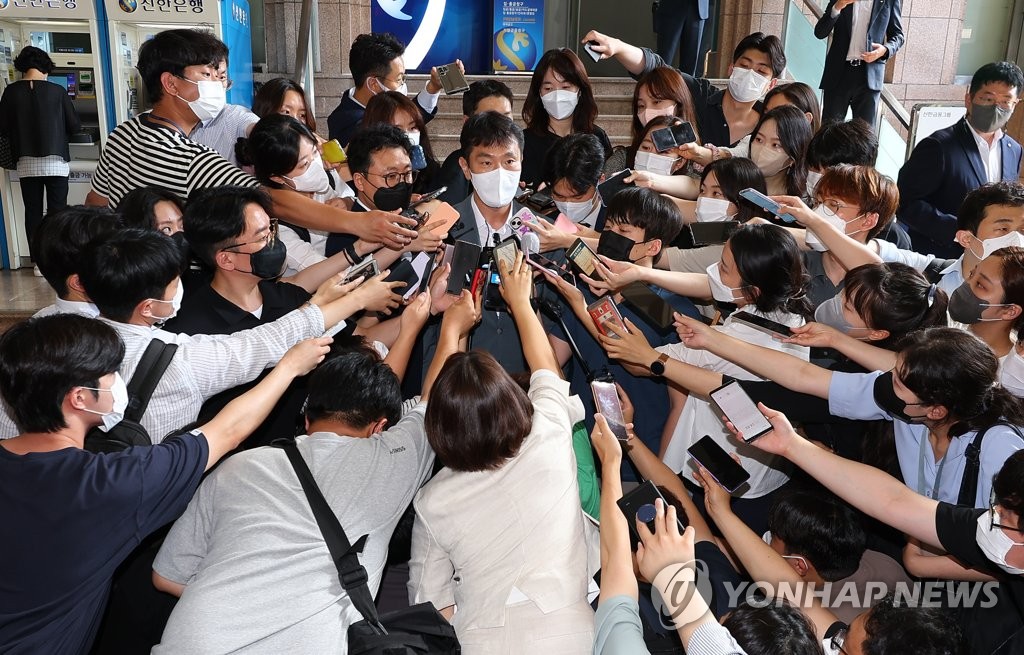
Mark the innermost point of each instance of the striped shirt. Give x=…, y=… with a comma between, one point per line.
x=140, y=153
x=231, y=124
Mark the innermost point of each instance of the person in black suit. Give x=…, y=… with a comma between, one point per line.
x=679, y=25
x=950, y=163
x=377, y=65
x=865, y=33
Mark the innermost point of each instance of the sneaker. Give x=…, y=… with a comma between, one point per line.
x=36, y=271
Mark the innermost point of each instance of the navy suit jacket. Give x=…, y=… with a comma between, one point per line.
x=346, y=117
x=941, y=171
x=885, y=27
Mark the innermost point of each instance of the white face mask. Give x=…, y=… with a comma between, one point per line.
x=812, y=240
x=211, y=101
x=719, y=291
x=995, y=543
x=652, y=162
x=496, y=188
x=414, y=137
x=646, y=115
x=712, y=210
x=1011, y=373
x=175, y=306
x=313, y=180
x=989, y=246
x=746, y=85
x=577, y=211
x=119, y=390
x=812, y=182
x=769, y=160
x=560, y=103
x=403, y=89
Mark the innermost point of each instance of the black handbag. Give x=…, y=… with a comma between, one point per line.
x=416, y=630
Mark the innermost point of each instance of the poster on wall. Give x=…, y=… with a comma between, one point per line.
x=436, y=32
x=518, y=35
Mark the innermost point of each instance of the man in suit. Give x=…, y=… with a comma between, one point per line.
x=377, y=66
x=679, y=25
x=950, y=163
x=865, y=33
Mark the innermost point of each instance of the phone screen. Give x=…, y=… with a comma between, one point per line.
x=763, y=324
x=759, y=199
x=606, y=400
x=602, y=311
x=505, y=252
x=464, y=262
x=582, y=256
x=648, y=304
x=718, y=463
x=741, y=410
x=613, y=185
x=663, y=139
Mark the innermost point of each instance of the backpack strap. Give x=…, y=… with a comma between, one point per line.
x=151, y=367
x=351, y=573
x=969, y=483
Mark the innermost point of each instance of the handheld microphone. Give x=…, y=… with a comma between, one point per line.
x=530, y=244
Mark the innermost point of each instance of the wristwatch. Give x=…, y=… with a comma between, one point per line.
x=657, y=367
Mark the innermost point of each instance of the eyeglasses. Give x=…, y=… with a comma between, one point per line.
x=267, y=240
x=1008, y=105
x=836, y=637
x=392, y=180
x=835, y=206
x=992, y=517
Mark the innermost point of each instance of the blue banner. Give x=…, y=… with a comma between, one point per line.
x=437, y=32
x=518, y=35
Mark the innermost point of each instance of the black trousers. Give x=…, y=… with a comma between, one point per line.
x=851, y=92
x=679, y=27
x=32, y=188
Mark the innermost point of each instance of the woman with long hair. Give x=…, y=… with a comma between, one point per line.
x=397, y=109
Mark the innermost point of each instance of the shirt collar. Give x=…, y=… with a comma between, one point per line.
x=485, y=229
x=981, y=140
x=352, y=94
x=76, y=307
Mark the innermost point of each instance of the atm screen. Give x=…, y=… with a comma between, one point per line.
x=59, y=79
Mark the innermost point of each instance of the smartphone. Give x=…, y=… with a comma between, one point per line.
x=606, y=400
x=603, y=311
x=445, y=213
x=446, y=258
x=366, y=269
x=521, y=219
x=582, y=256
x=722, y=468
x=613, y=185
x=423, y=263
x=427, y=197
x=452, y=79
x=403, y=271
x=465, y=259
x=505, y=252
x=673, y=136
x=542, y=263
x=590, y=51
x=695, y=235
x=764, y=202
x=541, y=201
x=739, y=408
x=650, y=306
x=333, y=152
x=640, y=503
x=493, y=300
x=762, y=324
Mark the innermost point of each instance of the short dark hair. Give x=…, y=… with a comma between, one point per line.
x=578, y=159
x=769, y=44
x=477, y=417
x=801, y=96
x=489, y=128
x=648, y=210
x=270, y=97
x=772, y=627
x=32, y=57
x=998, y=71
x=368, y=141
x=172, y=51
x=794, y=134
x=569, y=67
x=137, y=207
x=894, y=297
x=354, y=387
x=60, y=240
x=922, y=630
x=272, y=147
x=843, y=142
x=371, y=55
x=972, y=210
x=1008, y=484
x=127, y=267
x=735, y=174
x=821, y=528
x=216, y=216
x=1012, y=260
x=43, y=358
x=768, y=257
x=483, y=89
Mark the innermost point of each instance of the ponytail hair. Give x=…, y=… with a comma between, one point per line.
x=768, y=258
x=896, y=298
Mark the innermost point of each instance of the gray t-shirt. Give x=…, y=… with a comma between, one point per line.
x=258, y=574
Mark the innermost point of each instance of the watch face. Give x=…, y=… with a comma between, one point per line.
x=658, y=367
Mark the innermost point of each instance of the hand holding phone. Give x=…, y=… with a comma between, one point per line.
x=765, y=203
x=603, y=311
x=639, y=504
x=726, y=471
x=365, y=270
x=590, y=51
x=741, y=411
x=452, y=78
x=606, y=401
x=505, y=252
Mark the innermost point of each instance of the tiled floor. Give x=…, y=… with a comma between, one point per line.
x=23, y=293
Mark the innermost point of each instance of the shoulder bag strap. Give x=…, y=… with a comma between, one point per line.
x=151, y=367
x=351, y=573
x=969, y=483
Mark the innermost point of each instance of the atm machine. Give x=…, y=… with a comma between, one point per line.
x=130, y=23
x=69, y=31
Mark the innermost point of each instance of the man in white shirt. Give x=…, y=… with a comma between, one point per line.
x=57, y=249
x=946, y=166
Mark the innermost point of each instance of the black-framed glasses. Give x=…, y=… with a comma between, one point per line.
x=836, y=637
x=992, y=517
x=395, y=178
x=267, y=240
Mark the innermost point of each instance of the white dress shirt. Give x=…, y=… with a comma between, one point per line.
x=991, y=155
x=859, y=34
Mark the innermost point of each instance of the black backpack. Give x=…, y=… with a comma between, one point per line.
x=129, y=432
x=969, y=483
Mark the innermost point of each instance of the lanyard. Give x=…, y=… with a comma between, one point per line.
x=926, y=451
x=169, y=122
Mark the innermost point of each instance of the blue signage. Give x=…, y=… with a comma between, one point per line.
x=518, y=35
x=437, y=32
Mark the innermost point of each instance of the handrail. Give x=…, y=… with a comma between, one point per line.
x=814, y=8
x=896, y=108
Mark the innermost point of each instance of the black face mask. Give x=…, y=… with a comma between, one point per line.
x=615, y=246
x=397, y=197
x=886, y=398
x=268, y=262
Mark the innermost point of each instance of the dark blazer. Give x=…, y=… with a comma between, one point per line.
x=345, y=119
x=885, y=28
x=38, y=117
x=941, y=171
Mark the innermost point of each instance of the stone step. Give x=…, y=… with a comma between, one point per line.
x=608, y=104
x=451, y=123
x=445, y=143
